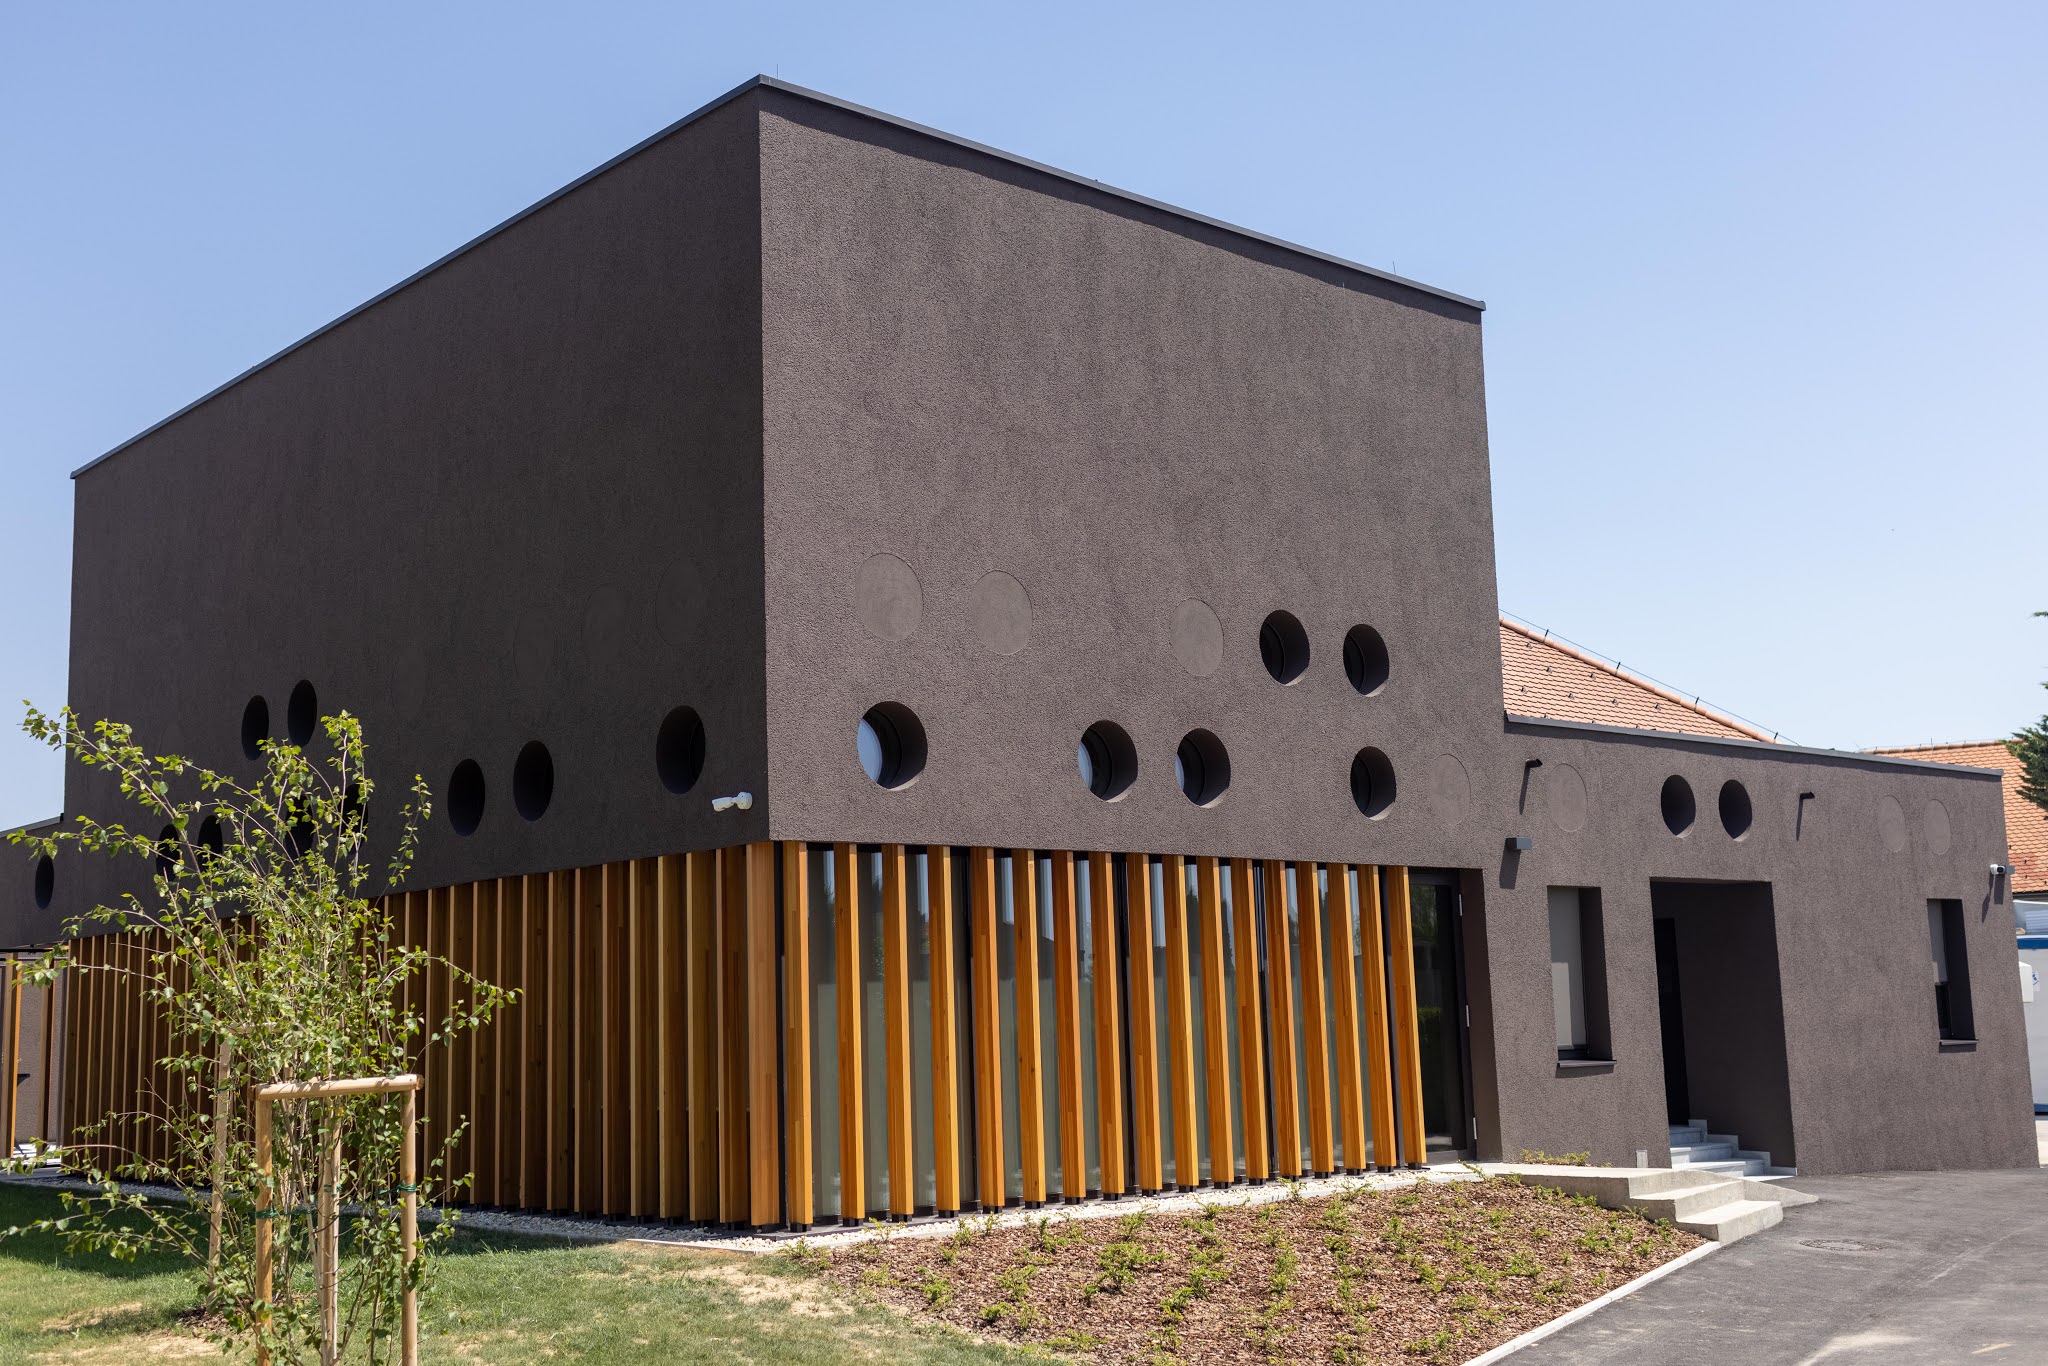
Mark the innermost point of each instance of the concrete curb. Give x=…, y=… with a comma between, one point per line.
x=1563, y=1321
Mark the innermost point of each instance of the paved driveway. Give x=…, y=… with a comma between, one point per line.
x=1898, y=1267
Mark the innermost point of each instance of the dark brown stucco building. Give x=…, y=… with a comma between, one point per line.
x=1046, y=564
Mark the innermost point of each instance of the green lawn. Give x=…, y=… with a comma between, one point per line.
x=499, y=1300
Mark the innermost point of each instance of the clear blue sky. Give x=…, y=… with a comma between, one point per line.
x=1765, y=355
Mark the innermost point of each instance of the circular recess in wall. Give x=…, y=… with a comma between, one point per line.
x=1197, y=637
x=167, y=852
x=46, y=882
x=466, y=797
x=1201, y=766
x=679, y=750
x=1564, y=791
x=302, y=714
x=211, y=837
x=1108, y=760
x=1372, y=782
x=1283, y=646
x=1002, y=613
x=1676, y=801
x=1450, y=790
x=533, y=780
x=1735, y=809
x=1934, y=823
x=887, y=597
x=255, y=727
x=1891, y=824
x=890, y=742
x=1365, y=660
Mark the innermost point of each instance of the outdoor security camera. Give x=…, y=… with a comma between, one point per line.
x=744, y=801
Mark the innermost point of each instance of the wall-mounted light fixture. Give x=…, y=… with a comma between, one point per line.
x=1520, y=844
x=738, y=801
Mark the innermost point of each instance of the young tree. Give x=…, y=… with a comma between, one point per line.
x=260, y=944
x=2030, y=747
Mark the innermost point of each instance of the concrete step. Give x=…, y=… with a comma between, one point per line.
x=1702, y=1152
x=1720, y=1206
x=1730, y=1166
x=1682, y=1135
x=1736, y=1219
x=1688, y=1202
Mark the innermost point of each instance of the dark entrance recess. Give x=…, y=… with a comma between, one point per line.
x=1437, y=916
x=1671, y=1023
x=1722, y=1011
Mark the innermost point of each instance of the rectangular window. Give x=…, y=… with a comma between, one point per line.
x=1952, y=1016
x=1578, y=974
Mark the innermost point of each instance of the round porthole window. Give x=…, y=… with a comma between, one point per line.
x=1735, y=809
x=1365, y=659
x=1201, y=767
x=1372, y=783
x=533, y=780
x=1283, y=647
x=302, y=715
x=1108, y=760
x=679, y=750
x=167, y=853
x=46, y=882
x=255, y=727
x=1677, y=804
x=211, y=837
x=466, y=797
x=890, y=743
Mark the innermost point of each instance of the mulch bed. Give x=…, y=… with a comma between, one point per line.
x=1439, y=1272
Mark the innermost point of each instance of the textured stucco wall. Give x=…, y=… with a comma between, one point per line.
x=982, y=370
x=516, y=500
x=1870, y=1085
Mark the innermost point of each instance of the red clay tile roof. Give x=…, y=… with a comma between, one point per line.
x=1545, y=677
x=2026, y=825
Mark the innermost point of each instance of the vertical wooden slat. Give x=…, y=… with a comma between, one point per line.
x=483, y=1123
x=938, y=873
x=1066, y=977
x=896, y=1025
x=672, y=1047
x=587, y=1160
x=1151, y=1172
x=1251, y=1043
x=1280, y=1012
x=647, y=1026
x=561, y=1045
x=763, y=1030
x=700, y=940
x=1180, y=1026
x=124, y=1047
x=734, y=1205
x=1215, y=1024
x=853, y=1194
x=76, y=1038
x=533, y=1101
x=639, y=1037
x=1408, y=1046
x=988, y=1058
x=1379, y=1066
x=51, y=1120
x=619, y=1025
x=796, y=1031
x=1030, y=1056
x=1344, y=990
x=10, y=1029
x=462, y=1069
x=1109, y=1080
x=1315, y=1019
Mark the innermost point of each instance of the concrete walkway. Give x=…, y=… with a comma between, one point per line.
x=1898, y=1267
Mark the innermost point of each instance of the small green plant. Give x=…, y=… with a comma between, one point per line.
x=936, y=1289
x=807, y=1256
x=1537, y=1157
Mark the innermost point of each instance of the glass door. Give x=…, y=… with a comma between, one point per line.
x=1440, y=1010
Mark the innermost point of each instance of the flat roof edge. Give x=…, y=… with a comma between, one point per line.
x=1766, y=747
x=816, y=97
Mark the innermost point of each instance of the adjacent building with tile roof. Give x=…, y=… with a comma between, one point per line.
x=2026, y=825
x=1542, y=676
